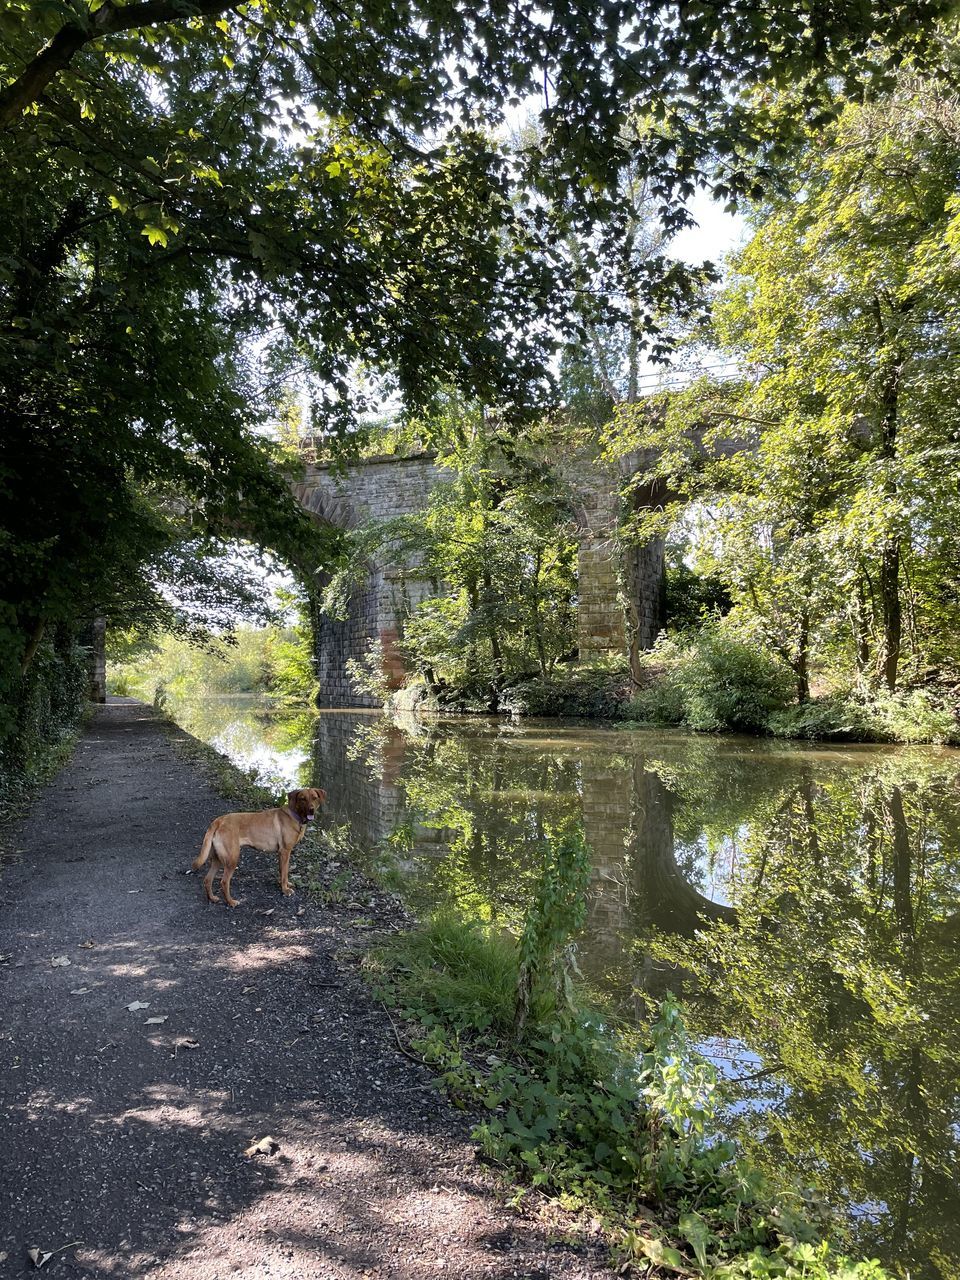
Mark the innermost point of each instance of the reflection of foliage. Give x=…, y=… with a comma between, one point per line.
x=842, y=966
x=489, y=803
x=267, y=745
x=819, y=970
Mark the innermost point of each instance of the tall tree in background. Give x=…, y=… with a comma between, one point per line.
x=839, y=523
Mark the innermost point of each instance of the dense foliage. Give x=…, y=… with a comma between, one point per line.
x=824, y=475
x=49, y=710
x=202, y=201
x=274, y=663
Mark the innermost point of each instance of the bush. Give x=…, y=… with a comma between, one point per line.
x=595, y=692
x=692, y=598
x=911, y=716
x=714, y=682
x=837, y=717
x=50, y=701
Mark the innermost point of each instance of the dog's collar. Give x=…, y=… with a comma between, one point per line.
x=301, y=822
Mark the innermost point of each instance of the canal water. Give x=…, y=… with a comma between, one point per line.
x=804, y=901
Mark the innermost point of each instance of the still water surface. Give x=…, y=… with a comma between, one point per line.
x=803, y=900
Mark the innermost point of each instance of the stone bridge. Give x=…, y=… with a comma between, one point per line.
x=387, y=486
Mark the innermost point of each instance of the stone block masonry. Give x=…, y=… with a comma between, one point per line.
x=613, y=585
x=378, y=489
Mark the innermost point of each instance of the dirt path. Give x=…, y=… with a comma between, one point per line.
x=118, y=1133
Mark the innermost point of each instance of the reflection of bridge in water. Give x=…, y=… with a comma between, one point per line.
x=627, y=811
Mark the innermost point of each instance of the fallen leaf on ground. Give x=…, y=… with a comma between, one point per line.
x=134, y=891
x=188, y=1044
x=87, y=946
x=263, y=1147
x=268, y=912
x=79, y=991
x=138, y=1004
x=3, y=960
x=40, y=1257
x=58, y=962
x=153, y=1022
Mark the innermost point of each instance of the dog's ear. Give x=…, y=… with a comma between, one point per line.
x=321, y=795
x=295, y=801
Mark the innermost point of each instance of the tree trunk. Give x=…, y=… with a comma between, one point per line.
x=535, y=614
x=496, y=653
x=31, y=647
x=802, y=665
x=892, y=613
x=861, y=631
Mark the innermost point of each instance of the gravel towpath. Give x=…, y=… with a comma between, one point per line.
x=134, y=1077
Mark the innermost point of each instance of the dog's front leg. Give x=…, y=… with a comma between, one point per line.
x=285, y=852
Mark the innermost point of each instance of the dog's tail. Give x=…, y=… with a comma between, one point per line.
x=204, y=853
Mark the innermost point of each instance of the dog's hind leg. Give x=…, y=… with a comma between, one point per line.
x=226, y=852
x=229, y=867
x=215, y=866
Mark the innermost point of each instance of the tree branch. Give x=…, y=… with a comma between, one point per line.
x=108, y=20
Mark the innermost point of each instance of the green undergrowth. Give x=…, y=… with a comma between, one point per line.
x=601, y=1118
x=18, y=790
x=41, y=726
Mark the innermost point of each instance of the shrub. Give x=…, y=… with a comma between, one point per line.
x=910, y=716
x=838, y=717
x=714, y=682
x=49, y=707
x=692, y=598
x=595, y=692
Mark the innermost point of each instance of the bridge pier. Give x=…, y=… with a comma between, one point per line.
x=621, y=592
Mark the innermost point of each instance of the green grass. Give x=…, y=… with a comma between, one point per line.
x=456, y=972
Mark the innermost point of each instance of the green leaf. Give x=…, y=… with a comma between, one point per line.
x=697, y=1233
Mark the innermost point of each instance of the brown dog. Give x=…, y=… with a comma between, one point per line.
x=271, y=831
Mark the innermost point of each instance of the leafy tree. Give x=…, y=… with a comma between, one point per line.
x=836, y=528
x=496, y=544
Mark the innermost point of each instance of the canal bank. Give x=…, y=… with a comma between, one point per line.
x=150, y=1041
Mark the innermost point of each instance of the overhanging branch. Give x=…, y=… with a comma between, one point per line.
x=108, y=20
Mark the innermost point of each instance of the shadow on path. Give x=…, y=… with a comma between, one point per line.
x=128, y=1135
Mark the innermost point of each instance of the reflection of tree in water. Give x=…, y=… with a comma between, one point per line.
x=837, y=956
x=842, y=965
